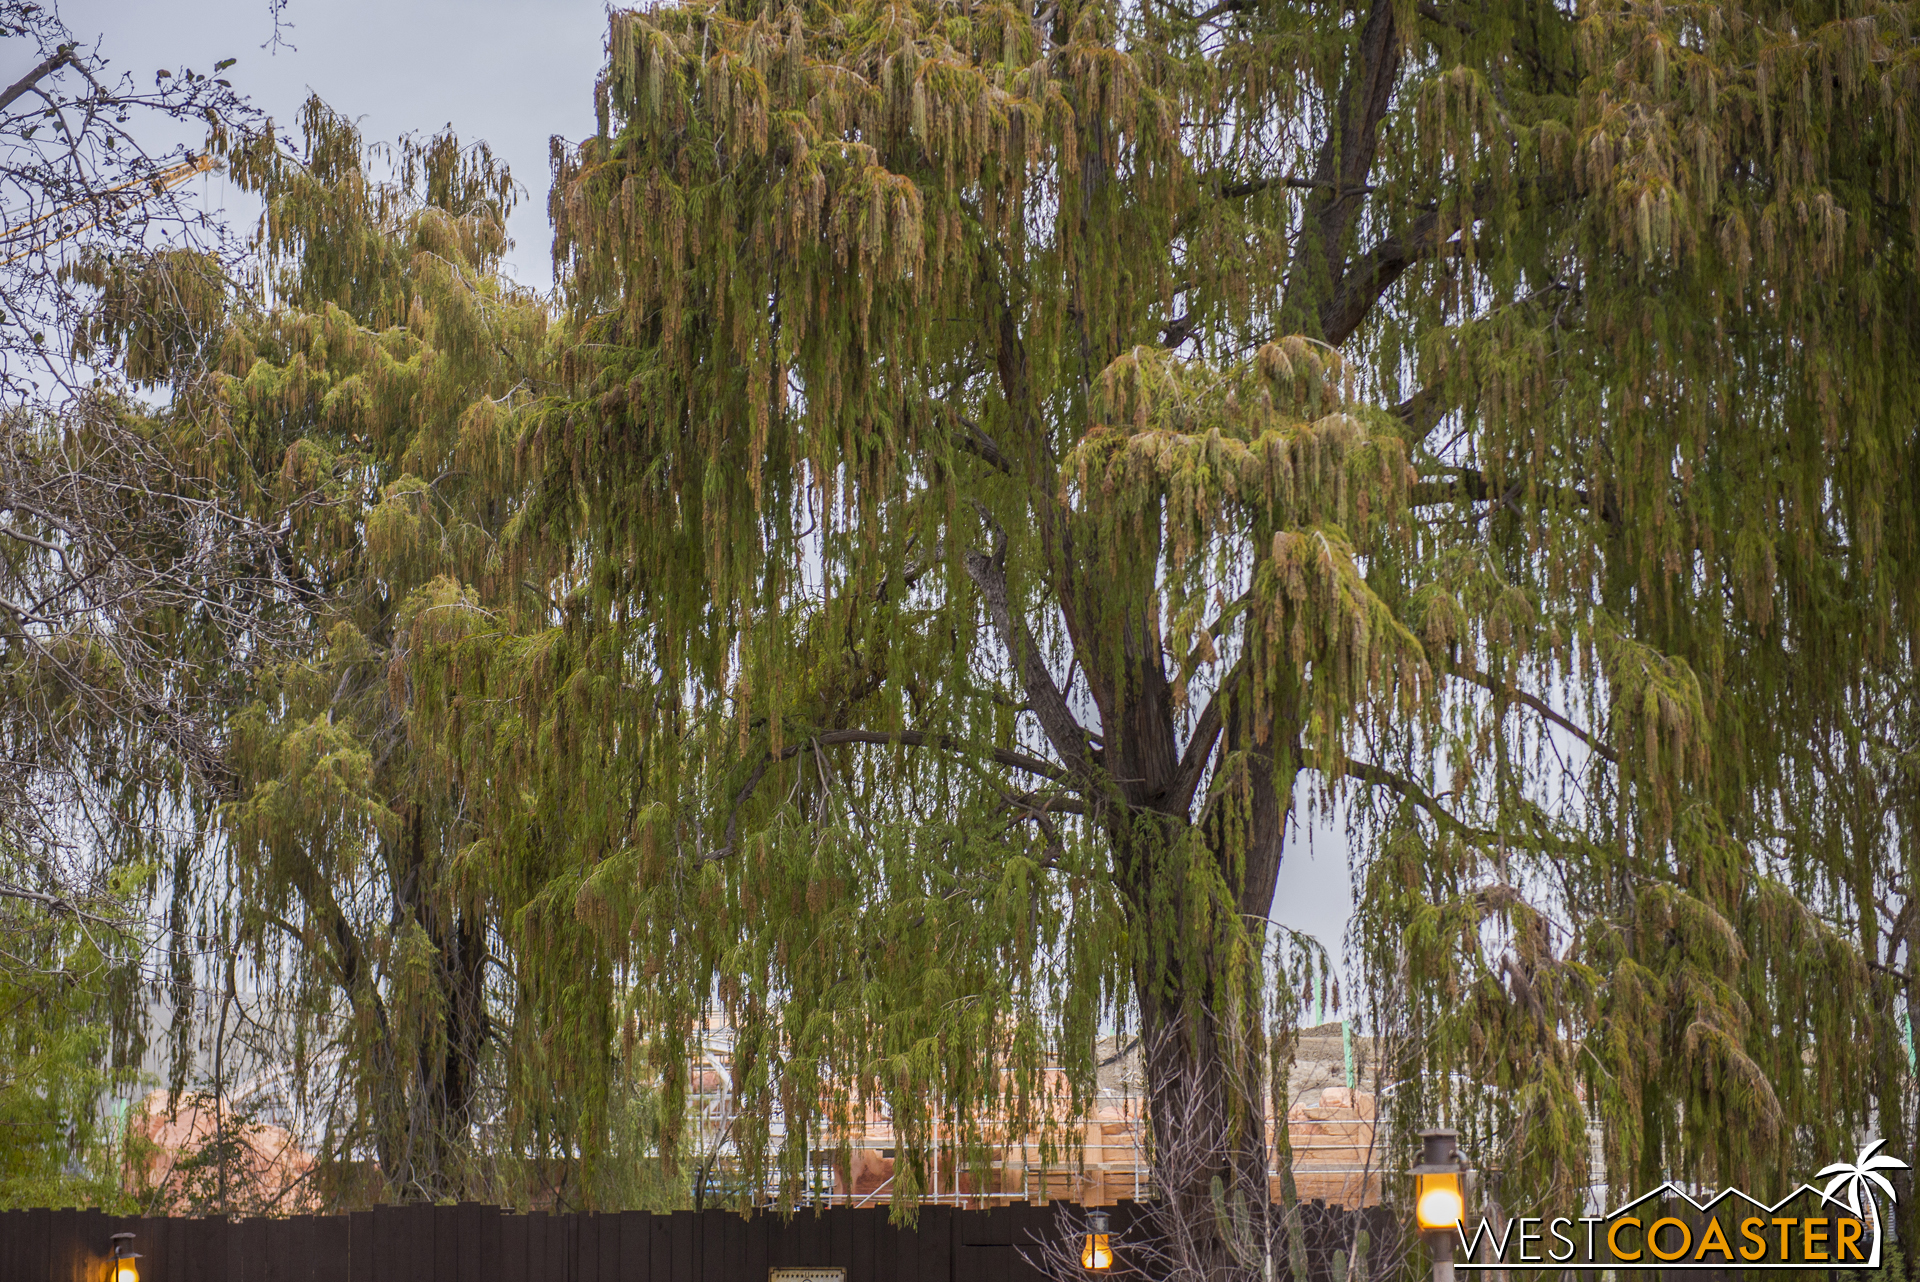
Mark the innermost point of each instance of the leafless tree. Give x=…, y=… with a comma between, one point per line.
x=129, y=597
x=131, y=591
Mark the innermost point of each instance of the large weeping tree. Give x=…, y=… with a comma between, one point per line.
x=1012, y=448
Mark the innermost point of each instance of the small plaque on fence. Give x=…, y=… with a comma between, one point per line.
x=807, y=1275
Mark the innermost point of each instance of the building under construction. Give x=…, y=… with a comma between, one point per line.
x=1329, y=1126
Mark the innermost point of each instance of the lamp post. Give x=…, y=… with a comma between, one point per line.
x=124, y=1267
x=1097, y=1253
x=1440, y=1196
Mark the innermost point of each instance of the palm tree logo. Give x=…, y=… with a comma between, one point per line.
x=1862, y=1176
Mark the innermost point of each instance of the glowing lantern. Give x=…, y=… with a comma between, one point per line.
x=1439, y=1183
x=1098, y=1251
x=125, y=1267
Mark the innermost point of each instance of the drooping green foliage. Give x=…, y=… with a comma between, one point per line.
x=932, y=403
x=1680, y=344
x=856, y=294
x=995, y=463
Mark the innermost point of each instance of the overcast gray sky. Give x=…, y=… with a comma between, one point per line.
x=514, y=74
x=507, y=71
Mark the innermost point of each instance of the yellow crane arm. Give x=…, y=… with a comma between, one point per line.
x=160, y=182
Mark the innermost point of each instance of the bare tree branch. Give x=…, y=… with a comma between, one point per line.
x=1206, y=731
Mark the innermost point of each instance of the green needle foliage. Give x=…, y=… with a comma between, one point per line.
x=365, y=404
x=995, y=467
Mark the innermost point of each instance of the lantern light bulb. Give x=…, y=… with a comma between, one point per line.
x=1440, y=1207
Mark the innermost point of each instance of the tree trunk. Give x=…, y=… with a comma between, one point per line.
x=438, y=1111
x=1203, y=1014
x=1209, y=1135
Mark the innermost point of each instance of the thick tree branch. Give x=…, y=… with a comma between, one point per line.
x=1905, y=977
x=1432, y=13
x=1221, y=9
x=1374, y=272
x=1380, y=776
x=1178, y=330
x=1193, y=762
x=1254, y=186
x=59, y=904
x=1067, y=736
x=945, y=742
x=1344, y=163
x=972, y=440
x=59, y=59
x=349, y=962
x=1423, y=410
x=1472, y=485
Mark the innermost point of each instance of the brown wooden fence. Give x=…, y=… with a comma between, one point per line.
x=474, y=1243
